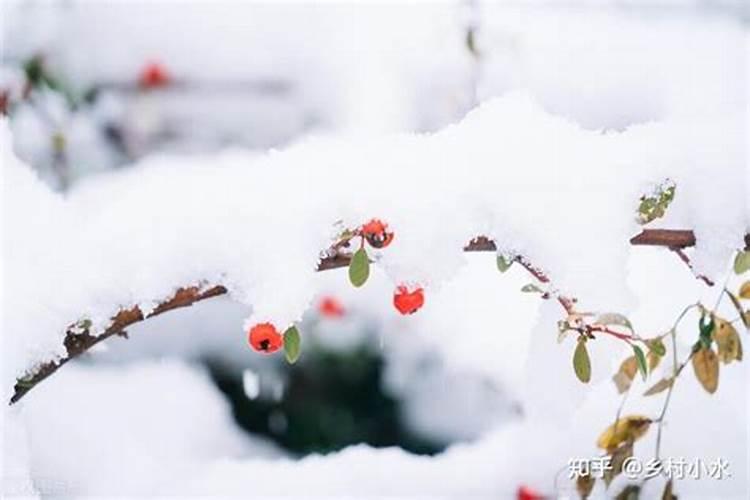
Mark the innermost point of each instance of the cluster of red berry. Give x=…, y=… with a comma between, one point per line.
x=264, y=337
x=406, y=300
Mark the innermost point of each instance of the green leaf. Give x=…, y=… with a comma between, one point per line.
x=581, y=361
x=614, y=319
x=655, y=205
x=742, y=262
x=657, y=347
x=705, y=330
x=531, y=288
x=359, y=268
x=292, y=344
x=641, y=359
x=503, y=263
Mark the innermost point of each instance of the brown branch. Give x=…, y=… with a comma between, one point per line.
x=684, y=258
x=79, y=340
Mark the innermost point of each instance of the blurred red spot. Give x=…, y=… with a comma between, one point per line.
x=330, y=307
x=153, y=75
x=526, y=493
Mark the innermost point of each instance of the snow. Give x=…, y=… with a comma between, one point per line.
x=595, y=108
x=257, y=225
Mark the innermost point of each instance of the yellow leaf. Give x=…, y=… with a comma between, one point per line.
x=727, y=340
x=706, y=368
x=624, y=376
x=626, y=429
x=745, y=290
x=653, y=360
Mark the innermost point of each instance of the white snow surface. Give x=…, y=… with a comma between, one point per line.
x=562, y=196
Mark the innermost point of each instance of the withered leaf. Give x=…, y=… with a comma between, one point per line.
x=618, y=456
x=614, y=319
x=668, y=493
x=653, y=360
x=706, y=368
x=625, y=375
x=661, y=386
x=630, y=492
x=727, y=341
x=629, y=428
x=584, y=485
x=745, y=290
x=744, y=315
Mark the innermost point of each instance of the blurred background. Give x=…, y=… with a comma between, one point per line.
x=90, y=88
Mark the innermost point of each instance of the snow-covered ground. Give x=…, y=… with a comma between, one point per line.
x=583, y=109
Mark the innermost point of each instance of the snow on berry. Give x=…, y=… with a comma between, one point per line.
x=406, y=301
x=264, y=337
x=376, y=233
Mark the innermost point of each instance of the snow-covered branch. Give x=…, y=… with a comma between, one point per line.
x=78, y=338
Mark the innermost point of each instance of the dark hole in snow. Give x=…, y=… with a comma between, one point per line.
x=330, y=400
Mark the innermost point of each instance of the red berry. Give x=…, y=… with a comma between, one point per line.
x=526, y=493
x=376, y=233
x=264, y=337
x=408, y=302
x=154, y=75
x=330, y=307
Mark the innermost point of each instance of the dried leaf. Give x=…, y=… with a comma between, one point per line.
x=727, y=341
x=584, y=485
x=614, y=319
x=581, y=361
x=660, y=386
x=653, y=361
x=625, y=375
x=629, y=428
x=630, y=492
x=668, y=493
x=617, y=459
x=706, y=368
x=745, y=290
x=744, y=315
